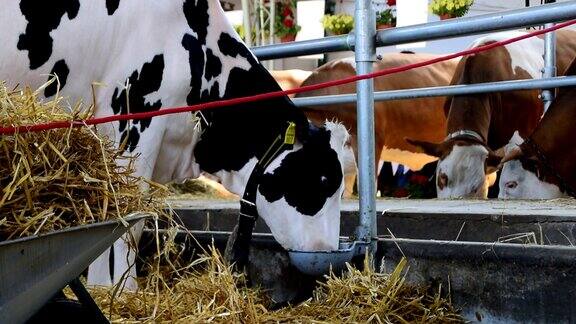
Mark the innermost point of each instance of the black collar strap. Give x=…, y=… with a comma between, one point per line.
x=282, y=143
x=239, y=243
x=465, y=133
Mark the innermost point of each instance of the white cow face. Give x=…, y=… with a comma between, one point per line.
x=299, y=194
x=463, y=168
x=462, y=173
x=516, y=182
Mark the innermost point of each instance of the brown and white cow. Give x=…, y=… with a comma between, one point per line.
x=394, y=120
x=520, y=179
x=479, y=124
x=549, y=153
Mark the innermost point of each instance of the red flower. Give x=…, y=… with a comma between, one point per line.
x=418, y=179
x=287, y=12
x=288, y=22
x=391, y=2
x=401, y=193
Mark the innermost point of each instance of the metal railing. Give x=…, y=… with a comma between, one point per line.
x=452, y=28
x=446, y=91
x=366, y=39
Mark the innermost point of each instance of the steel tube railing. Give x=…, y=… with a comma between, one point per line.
x=365, y=55
x=431, y=31
x=456, y=90
x=549, y=70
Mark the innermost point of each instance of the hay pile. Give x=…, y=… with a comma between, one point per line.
x=59, y=178
x=216, y=294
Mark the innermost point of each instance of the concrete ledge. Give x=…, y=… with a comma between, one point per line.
x=548, y=222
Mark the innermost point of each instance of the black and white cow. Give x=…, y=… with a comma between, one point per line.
x=148, y=54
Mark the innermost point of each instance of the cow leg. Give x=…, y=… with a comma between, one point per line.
x=99, y=271
x=494, y=189
x=124, y=264
x=125, y=252
x=386, y=179
x=349, y=181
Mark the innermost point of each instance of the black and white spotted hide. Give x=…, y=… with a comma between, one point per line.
x=143, y=55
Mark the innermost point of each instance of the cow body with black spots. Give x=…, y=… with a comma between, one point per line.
x=146, y=55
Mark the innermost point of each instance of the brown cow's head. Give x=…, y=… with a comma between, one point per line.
x=524, y=177
x=463, y=167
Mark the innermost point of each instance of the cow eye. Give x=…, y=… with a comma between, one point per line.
x=511, y=184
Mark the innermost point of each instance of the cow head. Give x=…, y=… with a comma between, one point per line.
x=299, y=194
x=463, y=166
x=520, y=175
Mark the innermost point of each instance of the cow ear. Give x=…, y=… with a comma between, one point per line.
x=493, y=162
x=433, y=149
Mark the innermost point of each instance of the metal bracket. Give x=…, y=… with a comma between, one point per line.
x=87, y=301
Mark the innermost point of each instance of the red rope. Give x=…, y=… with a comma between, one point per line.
x=264, y=96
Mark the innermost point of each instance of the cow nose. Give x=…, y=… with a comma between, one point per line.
x=511, y=184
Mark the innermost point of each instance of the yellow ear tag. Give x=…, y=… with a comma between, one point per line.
x=290, y=136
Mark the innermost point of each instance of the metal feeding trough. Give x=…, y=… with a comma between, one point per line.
x=34, y=269
x=318, y=263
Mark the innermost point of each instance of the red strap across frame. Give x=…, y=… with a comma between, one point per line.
x=8, y=130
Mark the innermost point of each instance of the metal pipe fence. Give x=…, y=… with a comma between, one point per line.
x=526, y=17
x=549, y=63
x=364, y=41
x=447, y=91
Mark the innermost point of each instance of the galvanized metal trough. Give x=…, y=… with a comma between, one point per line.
x=34, y=269
x=503, y=261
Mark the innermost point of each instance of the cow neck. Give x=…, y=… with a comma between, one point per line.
x=552, y=142
x=248, y=210
x=464, y=133
x=493, y=116
x=233, y=136
x=469, y=117
x=284, y=141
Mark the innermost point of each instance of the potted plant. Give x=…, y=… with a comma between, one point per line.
x=285, y=25
x=447, y=9
x=385, y=19
x=338, y=24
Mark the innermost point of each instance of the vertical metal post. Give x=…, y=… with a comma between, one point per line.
x=272, y=19
x=246, y=23
x=365, y=54
x=549, y=70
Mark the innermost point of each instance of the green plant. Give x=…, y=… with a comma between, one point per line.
x=455, y=8
x=285, y=19
x=338, y=24
x=386, y=17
